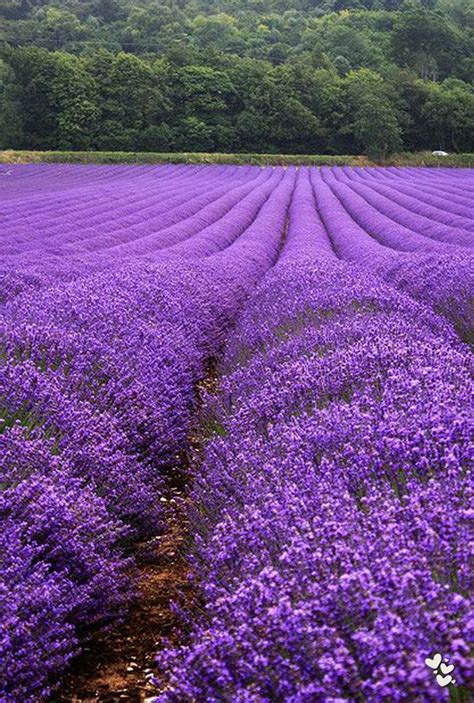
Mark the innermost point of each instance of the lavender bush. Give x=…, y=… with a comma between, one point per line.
x=332, y=509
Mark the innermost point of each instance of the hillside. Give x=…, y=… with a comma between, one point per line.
x=289, y=76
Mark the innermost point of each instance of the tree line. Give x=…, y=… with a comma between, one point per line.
x=288, y=76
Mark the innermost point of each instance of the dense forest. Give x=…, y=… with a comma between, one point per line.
x=289, y=76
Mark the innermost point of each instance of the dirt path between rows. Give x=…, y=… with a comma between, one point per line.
x=117, y=666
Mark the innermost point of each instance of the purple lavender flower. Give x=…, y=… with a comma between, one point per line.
x=332, y=510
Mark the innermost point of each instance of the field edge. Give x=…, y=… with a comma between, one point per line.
x=11, y=156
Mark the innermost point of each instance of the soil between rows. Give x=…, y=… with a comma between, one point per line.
x=117, y=666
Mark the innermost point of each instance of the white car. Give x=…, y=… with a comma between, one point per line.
x=440, y=153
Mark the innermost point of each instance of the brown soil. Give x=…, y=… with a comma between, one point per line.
x=117, y=666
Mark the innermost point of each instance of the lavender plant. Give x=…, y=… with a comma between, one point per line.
x=332, y=510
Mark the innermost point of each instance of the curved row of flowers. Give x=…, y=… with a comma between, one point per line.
x=330, y=566
x=333, y=508
x=97, y=390
x=438, y=273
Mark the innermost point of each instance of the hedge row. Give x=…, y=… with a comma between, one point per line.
x=107, y=157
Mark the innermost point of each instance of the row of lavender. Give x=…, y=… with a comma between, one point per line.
x=97, y=384
x=333, y=508
x=121, y=284
x=147, y=212
x=410, y=251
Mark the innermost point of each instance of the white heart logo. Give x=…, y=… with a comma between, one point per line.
x=447, y=668
x=444, y=680
x=435, y=662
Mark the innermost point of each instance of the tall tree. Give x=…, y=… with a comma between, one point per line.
x=10, y=120
x=426, y=42
x=375, y=125
x=448, y=111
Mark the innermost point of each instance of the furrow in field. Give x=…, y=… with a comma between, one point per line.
x=222, y=233
x=385, y=230
x=349, y=240
x=332, y=388
x=146, y=211
x=89, y=205
x=106, y=424
x=314, y=473
x=445, y=184
x=462, y=206
x=412, y=202
x=306, y=231
x=80, y=178
x=165, y=215
x=418, y=224
x=442, y=280
x=208, y=214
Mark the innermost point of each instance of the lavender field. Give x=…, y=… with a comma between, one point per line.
x=308, y=331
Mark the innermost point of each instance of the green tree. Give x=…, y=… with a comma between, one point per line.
x=131, y=97
x=195, y=135
x=375, y=125
x=57, y=99
x=61, y=28
x=427, y=42
x=219, y=31
x=203, y=92
x=448, y=112
x=333, y=76
x=10, y=121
